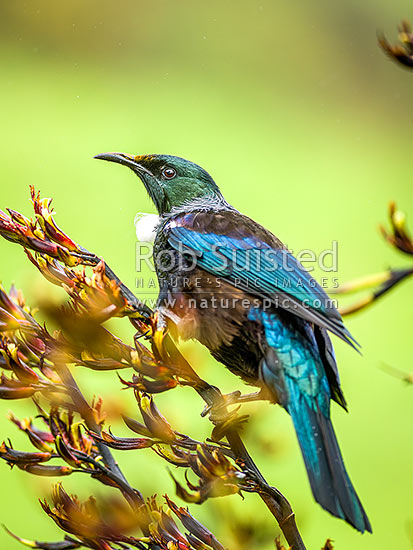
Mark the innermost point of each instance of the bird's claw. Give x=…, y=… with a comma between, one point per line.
x=217, y=410
x=218, y=407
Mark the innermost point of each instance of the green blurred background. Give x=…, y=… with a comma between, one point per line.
x=306, y=126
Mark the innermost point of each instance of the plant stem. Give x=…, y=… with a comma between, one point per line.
x=132, y=495
x=275, y=501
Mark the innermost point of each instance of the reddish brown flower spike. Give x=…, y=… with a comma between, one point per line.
x=44, y=214
x=22, y=458
x=403, y=52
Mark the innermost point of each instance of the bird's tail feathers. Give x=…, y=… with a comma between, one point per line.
x=328, y=477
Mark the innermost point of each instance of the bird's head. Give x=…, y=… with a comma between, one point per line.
x=170, y=181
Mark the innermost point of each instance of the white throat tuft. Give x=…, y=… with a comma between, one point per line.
x=145, y=225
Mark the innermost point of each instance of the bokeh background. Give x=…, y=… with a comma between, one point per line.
x=306, y=126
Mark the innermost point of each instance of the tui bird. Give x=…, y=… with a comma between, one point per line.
x=231, y=284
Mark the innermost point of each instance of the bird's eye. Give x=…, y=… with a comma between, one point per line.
x=169, y=173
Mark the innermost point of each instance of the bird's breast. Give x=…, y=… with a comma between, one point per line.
x=201, y=306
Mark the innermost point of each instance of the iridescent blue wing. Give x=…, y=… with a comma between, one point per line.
x=236, y=249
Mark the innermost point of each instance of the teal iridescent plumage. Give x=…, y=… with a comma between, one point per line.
x=304, y=391
x=274, y=332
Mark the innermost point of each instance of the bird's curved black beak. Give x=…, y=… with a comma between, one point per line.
x=127, y=160
x=136, y=164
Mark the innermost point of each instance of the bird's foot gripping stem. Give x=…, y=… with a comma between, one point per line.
x=225, y=420
x=233, y=398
